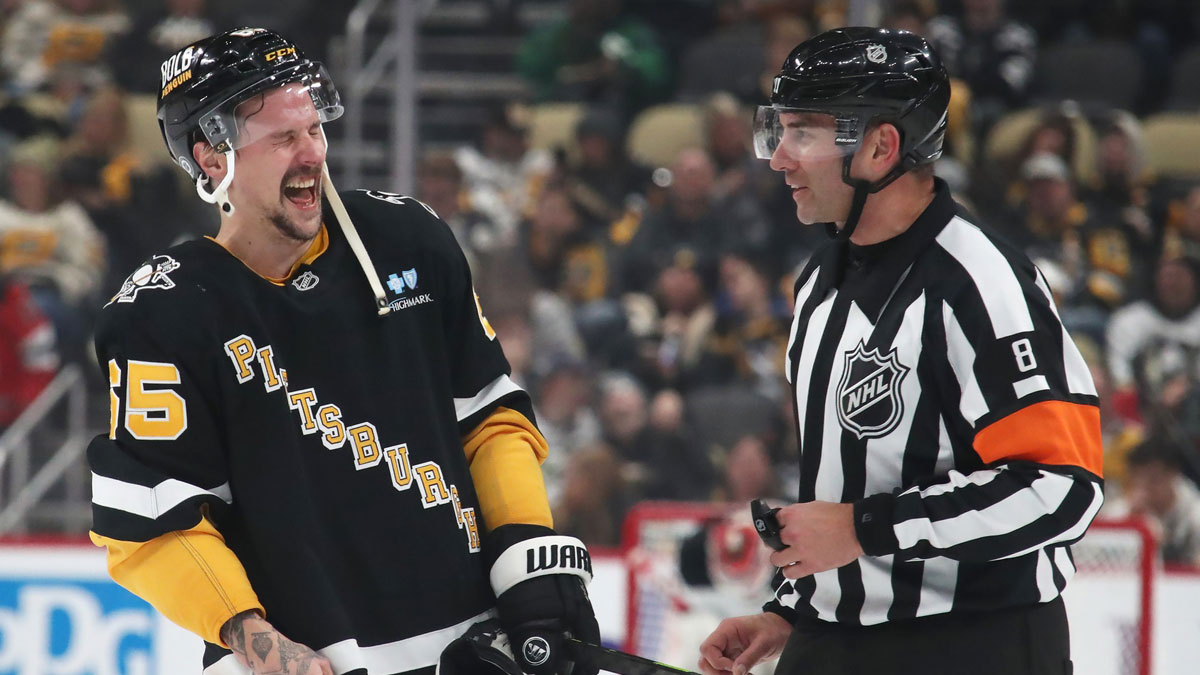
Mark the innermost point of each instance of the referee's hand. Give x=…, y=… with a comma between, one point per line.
x=819, y=536
x=740, y=643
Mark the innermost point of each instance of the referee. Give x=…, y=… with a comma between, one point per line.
x=948, y=427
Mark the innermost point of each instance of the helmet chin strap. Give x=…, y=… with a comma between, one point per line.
x=220, y=194
x=862, y=190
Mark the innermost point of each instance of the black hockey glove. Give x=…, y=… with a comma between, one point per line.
x=540, y=582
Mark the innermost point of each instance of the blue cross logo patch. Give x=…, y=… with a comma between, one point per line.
x=406, y=280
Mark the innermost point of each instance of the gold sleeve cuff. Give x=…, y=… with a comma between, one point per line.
x=505, y=453
x=190, y=576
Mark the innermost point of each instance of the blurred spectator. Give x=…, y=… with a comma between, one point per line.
x=504, y=176
x=909, y=15
x=751, y=330
x=748, y=473
x=1156, y=341
x=596, y=54
x=1123, y=186
x=783, y=34
x=674, y=465
x=440, y=185
x=562, y=403
x=594, y=499
x=748, y=186
x=1118, y=435
x=123, y=194
x=541, y=317
x=28, y=359
x=48, y=35
x=158, y=33
x=992, y=53
x=50, y=244
x=688, y=318
x=624, y=415
x=693, y=222
x=1183, y=240
x=603, y=180
x=1054, y=224
x=729, y=139
x=564, y=253
x=516, y=340
x=1156, y=490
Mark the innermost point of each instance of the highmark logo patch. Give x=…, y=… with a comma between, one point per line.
x=869, y=402
x=401, y=284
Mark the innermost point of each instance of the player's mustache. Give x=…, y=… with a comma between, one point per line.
x=301, y=173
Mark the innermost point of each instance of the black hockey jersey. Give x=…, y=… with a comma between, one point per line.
x=324, y=440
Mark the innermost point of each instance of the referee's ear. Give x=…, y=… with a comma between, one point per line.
x=880, y=152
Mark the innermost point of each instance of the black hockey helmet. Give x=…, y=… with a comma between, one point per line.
x=203, y=84
x=862, y=76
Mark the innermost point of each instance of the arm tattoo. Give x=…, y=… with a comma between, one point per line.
x=262, y=645
x=234, y=631
x=292, y=652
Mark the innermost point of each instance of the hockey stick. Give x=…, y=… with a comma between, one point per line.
x=603, y=658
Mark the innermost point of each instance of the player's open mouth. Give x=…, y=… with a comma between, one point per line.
x=302, y=192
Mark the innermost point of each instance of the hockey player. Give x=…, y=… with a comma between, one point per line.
x=316, y=459
x=948, y=426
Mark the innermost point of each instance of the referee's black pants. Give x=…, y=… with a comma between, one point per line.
x=1015, y=641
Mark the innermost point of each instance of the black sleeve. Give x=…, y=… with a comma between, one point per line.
x=162, y=457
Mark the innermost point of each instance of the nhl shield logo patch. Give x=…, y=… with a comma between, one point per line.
x=869, y=403
x=305, y=281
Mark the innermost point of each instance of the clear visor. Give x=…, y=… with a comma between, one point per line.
x=801, y=134
x=306, y=96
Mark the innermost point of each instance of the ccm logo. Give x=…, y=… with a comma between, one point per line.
x=280, y=53
x=563, y=556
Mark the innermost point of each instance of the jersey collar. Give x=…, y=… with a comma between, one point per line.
x=318, y=246
x=886, y=262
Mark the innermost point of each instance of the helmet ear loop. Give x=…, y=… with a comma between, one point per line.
x=219, y=194
x=862, y=189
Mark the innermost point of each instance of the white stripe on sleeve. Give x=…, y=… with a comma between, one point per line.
x=150, y=502
x=993, y=276
x=962, y=361
x=401, y=656
x=1030, y=385
x=501, y=386
x=1079, y=376
x=1044, y=495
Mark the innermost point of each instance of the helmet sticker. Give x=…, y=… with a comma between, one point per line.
x=176, y=70
x=876, y=53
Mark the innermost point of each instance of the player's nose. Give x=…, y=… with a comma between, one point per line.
x=781, y=160
x=312, y=150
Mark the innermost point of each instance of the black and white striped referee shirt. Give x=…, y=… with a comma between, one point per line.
x=937, y=390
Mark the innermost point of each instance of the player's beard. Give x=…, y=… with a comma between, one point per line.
x=287, y=225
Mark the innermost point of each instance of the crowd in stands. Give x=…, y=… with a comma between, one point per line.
x=640, y=277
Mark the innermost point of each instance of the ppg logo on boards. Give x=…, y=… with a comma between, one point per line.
x=84, y=629
x=869, y=402
x=60, y=614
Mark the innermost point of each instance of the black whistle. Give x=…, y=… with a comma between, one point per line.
x=766, y=524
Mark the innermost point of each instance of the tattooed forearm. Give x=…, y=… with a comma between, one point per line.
x=291, y=652
x=262, y=644
x=234, y=631
x=265, y=651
